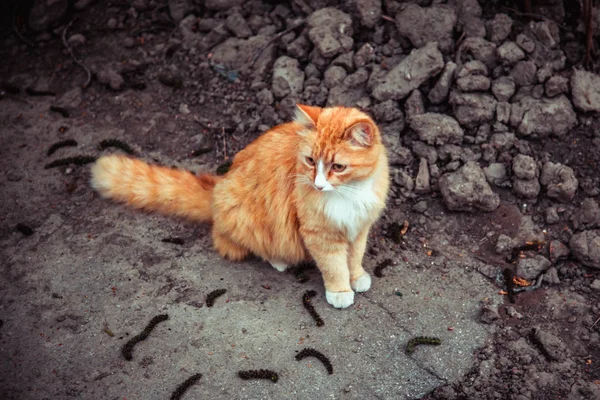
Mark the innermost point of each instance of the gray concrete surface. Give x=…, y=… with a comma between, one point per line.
x=92, y=264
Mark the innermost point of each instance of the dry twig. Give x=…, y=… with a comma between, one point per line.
x=64, y=40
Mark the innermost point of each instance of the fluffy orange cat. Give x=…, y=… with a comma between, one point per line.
x=308, y=189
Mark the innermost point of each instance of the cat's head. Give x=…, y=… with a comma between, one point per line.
x=340, y=146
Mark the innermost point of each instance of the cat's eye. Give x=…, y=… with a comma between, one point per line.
x=338, y=167
x=310, y=161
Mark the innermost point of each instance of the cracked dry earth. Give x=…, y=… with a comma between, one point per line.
x=492, y=128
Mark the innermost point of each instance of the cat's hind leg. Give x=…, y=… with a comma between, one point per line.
x=279, y=265
x=228, y=248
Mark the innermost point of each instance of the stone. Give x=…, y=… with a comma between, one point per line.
x=595, y=285
x=387, y=111
x=525, y=167
x=364, y=55
x=499, y=28
x=414, y=105
x=422, y=184
x=585, y=246
x=265, y=97
x=330, y=30
x=473, y=67
x=525, y=43
x=496, y=174
x=345, y=60
x=82, y=4
x=587, y=216
x=46, y=14
x=420, y=207
x=544, y=73
x=233, y=53
x=342, y=95
x=530, y=268
x=480, y=49
x=524, y=73
x=358, y=78
x=288, y=78
x=237, y=24
x=526, y=189
x=585, y=89
x=222, y=4
x=437, y=129
x=414, y=70
x=299, y=48
x=488, y=314
x=510, y=53
x=439, y=93
x=369, y=12
x=467, y=190
x=472, y=109
x=503, y=112
x=546, y=32
x=334, y=76
x=558, y=250
x=450, y=152
x=557, y=85
x=424, y=151
x=110, y=75
x=503, y=88
x=552, y=216
x=76, y=40
x=422, y=25
x=543, y=117
x=180, y=8
x=503, y=244
x=404, y=180
x=503, y=141
x=551, y=276
x=473, y=83
x=560, y=181
x=469, y=17
x=551, y=346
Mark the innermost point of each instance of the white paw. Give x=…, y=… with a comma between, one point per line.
x=278, y=265
x=362, y=283
x=340, y=299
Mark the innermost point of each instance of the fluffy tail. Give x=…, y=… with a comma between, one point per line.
x=150, y=187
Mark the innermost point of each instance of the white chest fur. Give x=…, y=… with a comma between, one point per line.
x=349, y=208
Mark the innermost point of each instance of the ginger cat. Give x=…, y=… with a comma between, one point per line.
x=310, y=188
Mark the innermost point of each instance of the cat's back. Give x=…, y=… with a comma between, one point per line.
x=264, y=170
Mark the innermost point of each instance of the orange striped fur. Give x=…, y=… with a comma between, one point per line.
x=308, y=189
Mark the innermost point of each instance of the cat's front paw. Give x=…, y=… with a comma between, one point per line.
x=340, y=299
x=362, y=283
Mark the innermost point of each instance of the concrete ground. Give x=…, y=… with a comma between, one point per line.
x=94, y=273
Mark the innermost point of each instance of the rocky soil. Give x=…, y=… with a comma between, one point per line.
x=490, y=120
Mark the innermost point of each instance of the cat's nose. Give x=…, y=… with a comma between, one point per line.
x=320, y=182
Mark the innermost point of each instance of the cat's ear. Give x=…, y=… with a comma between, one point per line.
x=361, y=134
x=307, y=115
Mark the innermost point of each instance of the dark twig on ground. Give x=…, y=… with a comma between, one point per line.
x=66, y=44
x=274, y=38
